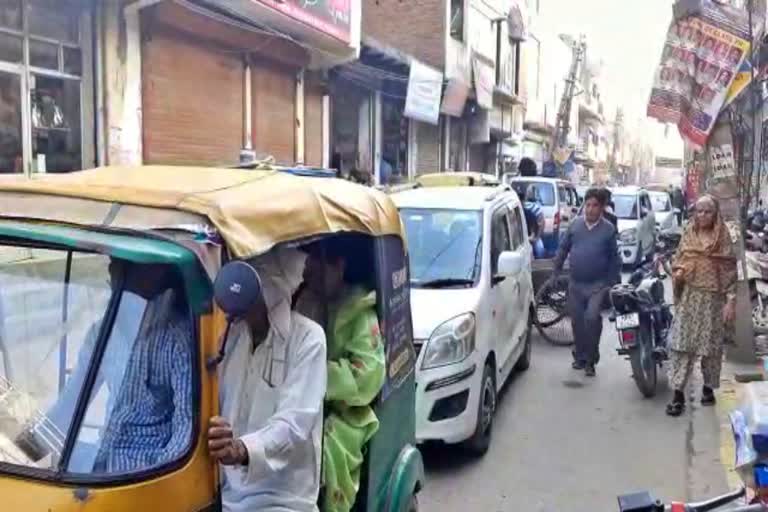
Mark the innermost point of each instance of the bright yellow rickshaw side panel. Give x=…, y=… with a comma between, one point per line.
x=191, y=488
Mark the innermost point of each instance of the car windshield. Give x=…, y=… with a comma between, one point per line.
x=445, y=246
x=660, y=202
x=544, y=191
x=52, y=309
x=625, y=206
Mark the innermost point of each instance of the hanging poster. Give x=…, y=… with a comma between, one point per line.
x=425, y=87
x=740, y=83
x=692, y=183
x=700, y=60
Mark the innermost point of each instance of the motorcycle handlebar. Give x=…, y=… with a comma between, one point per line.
x=720, y=501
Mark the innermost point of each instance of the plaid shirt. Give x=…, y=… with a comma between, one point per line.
x=151, y=423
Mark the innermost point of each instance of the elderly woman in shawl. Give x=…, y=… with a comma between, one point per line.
x=704, y=277
x=273, y=381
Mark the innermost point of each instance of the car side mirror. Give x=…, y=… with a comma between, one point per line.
x=236, y=290
x=510, y=264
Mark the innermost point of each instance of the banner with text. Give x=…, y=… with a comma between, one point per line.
x=702, y=56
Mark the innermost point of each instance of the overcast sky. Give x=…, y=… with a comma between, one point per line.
x=627, y=35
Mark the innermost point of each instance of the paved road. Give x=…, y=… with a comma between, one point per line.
x=564, y=443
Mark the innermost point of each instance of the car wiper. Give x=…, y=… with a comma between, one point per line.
x=444, y=283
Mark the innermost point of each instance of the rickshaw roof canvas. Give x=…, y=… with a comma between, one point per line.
x=253, y=210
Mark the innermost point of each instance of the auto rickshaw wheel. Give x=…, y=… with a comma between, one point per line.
x=480, y=441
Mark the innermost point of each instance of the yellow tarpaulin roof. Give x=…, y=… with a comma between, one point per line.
x=253, y=210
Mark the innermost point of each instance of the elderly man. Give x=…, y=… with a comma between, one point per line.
x=273, y=382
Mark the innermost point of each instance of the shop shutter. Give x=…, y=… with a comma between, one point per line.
x=313, y=124
x=193, y=103
x=428, y=148
x=274, y=111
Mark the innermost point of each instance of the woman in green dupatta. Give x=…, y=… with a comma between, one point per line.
x=345, y=307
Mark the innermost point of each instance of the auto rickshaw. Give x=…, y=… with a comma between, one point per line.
x=61, y=238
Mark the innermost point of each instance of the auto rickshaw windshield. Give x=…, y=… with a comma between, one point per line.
x=95, y=363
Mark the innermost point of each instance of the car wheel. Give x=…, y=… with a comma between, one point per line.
x=525, y=358
x=480, y=441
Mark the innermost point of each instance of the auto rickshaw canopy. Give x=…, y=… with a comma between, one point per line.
x=252, y=210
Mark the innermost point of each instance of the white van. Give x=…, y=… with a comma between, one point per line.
x=559, y=202
x=472, y=298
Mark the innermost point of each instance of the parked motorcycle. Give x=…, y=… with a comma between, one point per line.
x=757, y=275
x=643, y=321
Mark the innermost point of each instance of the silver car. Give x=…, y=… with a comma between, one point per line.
x=666, y=215
x=636, y=223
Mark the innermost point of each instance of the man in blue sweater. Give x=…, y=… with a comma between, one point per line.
x=594, y=267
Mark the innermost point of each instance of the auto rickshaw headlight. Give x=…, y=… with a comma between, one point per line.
x=452, y=342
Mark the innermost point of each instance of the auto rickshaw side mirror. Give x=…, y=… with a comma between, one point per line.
x=236, y=290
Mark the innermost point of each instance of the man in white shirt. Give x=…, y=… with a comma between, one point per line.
x=273, y=382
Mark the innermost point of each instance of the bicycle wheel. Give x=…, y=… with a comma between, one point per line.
x=552, y=319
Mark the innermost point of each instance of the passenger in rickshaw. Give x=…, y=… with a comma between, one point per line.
x=273, y=381
x=147, y=370
x=339, y=296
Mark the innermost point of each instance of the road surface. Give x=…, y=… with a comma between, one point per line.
x=565, y=443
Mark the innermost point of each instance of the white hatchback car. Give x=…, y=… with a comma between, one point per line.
x=472, y=298
x=637, y=224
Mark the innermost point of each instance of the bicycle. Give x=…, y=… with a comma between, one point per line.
x=552, y=319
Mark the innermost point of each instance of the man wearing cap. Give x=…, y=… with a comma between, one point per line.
x=273, y=382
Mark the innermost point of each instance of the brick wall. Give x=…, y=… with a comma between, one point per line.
x=416, y=27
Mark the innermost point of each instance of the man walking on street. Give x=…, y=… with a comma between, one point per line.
x=594, y=267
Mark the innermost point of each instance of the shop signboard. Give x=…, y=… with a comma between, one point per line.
x=484, y=83
x=455, y=97
x=425, y=87
x=702, y=56
x=332, y=17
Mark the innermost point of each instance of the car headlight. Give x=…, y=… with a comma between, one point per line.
x=628, y=236
x=452, y=342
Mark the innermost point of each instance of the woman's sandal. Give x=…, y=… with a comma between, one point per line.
x=708, y=399
x=675, y=408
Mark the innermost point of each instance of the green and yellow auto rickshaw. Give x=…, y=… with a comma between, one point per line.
x=68, y=322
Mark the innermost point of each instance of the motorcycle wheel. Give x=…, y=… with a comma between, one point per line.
x=643, y=364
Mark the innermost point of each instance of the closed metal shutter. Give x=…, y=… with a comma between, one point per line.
x=427, y=148
x=313, y=124
x=274, y=111
x=192, y=102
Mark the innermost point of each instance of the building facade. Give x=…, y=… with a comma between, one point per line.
x=476, y=47
x=86, y=83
